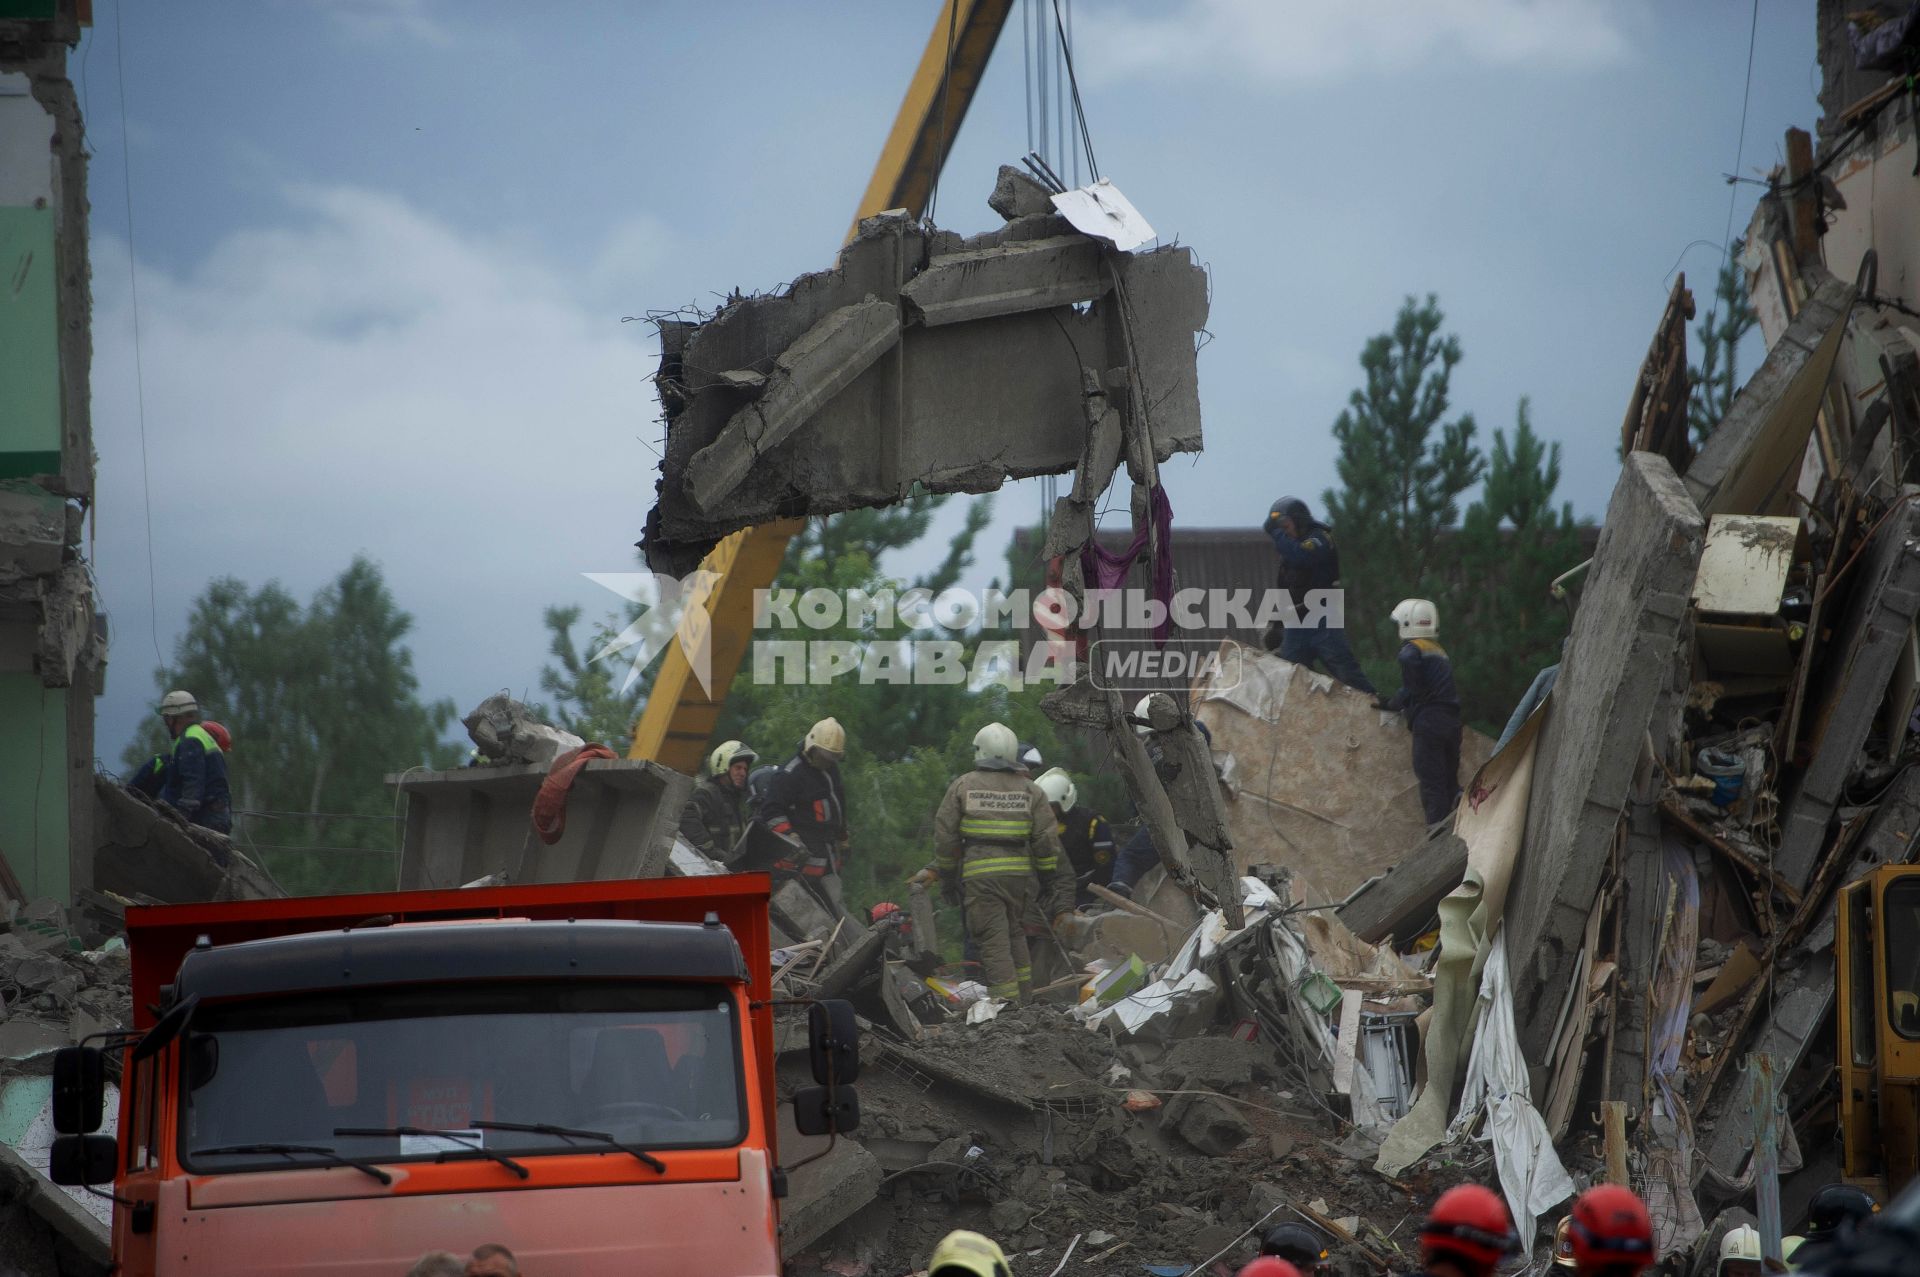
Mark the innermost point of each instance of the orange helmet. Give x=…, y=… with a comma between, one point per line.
x=1611, y=1229
x=1469, y=1223
x=221, y=736
x=1269, y=1266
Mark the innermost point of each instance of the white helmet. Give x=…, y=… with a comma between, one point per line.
x=1140, y=708
x=1029, y=756
x=995, y=743
x=726, y=754
x=827, y=739
x=177, y=705
x=1741, y=1243
x=1418, y=618
x=1058, y=787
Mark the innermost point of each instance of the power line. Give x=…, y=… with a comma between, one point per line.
x=139, y=369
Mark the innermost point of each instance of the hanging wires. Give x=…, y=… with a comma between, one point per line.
x=940, y=152
x=1079, y=108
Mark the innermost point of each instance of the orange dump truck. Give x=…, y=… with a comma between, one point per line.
x=580, y=1072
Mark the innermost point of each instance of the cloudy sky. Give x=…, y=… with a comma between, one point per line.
x=384, y=251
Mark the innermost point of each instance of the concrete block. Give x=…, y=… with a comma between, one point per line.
x=1404, y=899
x=956, y=406
x=1750, y=463
x=141, y=851
x=1849, y=686
x=824, y=1193
x=1212, y=1126
x=1612, y=686
x=475, y=821
x=1017, y=194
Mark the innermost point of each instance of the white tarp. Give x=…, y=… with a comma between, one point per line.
x=1101, y=210
x=1531, y=1175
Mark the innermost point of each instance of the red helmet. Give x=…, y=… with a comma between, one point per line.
x=1611, y=1229
x=221, y=736
x=881, y=910
x=1269, y=1266
x=1468, y=1223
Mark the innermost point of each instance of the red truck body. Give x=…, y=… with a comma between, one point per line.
x=577, y=962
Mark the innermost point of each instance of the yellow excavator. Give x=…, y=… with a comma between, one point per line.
x=680, y=714
x=1877, y=1019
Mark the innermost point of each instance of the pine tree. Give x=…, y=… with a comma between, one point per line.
x=1402, y=468
x=1716, y=380
x=1498, y=621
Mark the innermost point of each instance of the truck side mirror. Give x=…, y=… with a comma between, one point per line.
x=79, y=1091
x=825, y=1110
x=81, y=1159
x=833, y=1042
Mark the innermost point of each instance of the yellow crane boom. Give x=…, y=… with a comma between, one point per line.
x=679, y=717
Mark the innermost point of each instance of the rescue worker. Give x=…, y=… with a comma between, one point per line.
x=1431, y=704
x=1268, y=1266
x=191, y=776
x=1137, y=858
x=1740, y=1254
x=994, y=833
x=717, y=813
x=804, y=801
x=964, y=1254
x=1611, y=1232
x=1466, y=1234
x=1835, y=1213
x=1309, y=560
x=1300, y=1246
x=1085, y=836
x=1028, y=761
x=1789, y=1247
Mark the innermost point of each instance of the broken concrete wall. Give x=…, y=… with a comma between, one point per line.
x=1615, y=676
x=147, y=851
x=1320, y=781
x=1850, y=684
x=470, y=823
x=922, y=359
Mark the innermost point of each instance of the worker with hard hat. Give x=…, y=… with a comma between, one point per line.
x=994, y=834
x=1610, y=1232
x=1431, y=704
x=1836, y=1212
x=191, y=774
x=1027, y=760
x=1085, y=836
x=1740, y=1254
x=1299, y=1246
x=967, y=1254
x=1309, y=561
x=805, y=803
x=1466, y=1234
x=1137, y=857
x=717, y=813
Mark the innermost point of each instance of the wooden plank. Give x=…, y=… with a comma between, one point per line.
x=1119, y=901
x=1613, y=1127
x=1801, y=207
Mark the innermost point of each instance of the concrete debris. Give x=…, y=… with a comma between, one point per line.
x=504, y=731
x=148, y=850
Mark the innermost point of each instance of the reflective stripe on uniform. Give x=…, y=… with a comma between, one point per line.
x=989, y=866
x=988, y=829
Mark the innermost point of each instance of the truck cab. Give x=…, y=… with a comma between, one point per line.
x=1877, y=1018
x=581, y=1073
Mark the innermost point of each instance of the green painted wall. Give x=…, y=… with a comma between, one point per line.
x=29, y=345
x=33, y=783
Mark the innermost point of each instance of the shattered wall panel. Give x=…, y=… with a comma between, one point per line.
x=1619, y=660
x=949, y=399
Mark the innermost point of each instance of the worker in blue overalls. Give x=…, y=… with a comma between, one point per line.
x=191, y=776
x=1431, y=704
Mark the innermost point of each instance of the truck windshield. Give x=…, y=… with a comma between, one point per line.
x=1902, y=932
x=653, y=1066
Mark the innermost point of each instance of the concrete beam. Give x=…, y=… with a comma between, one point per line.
x=1751, y=462
x=1007, y=279
x=1404, y=899
x=1612, y=686
x=1855, y=669
x=806, y=375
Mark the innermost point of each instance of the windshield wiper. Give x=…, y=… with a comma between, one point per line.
x=466, y=1146
x=296, y=1150
x=568, y=1132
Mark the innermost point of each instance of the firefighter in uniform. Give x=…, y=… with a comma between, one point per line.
x=1431, y=704
x=994, y=833
x=717, y=813
x=1085, y=836
x=803, y=801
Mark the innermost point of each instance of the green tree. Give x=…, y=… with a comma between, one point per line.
x=1497, y=620
x=1403, y=467
x=322, y=702
x=1716, y=380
